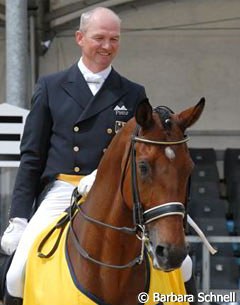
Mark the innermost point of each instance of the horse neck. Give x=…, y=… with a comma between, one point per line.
x=105, y=203
x=105, y=200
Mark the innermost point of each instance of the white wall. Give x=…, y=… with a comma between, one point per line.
x=198, y=55
x=179, y=66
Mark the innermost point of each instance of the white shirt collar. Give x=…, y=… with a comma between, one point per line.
x=104, y=73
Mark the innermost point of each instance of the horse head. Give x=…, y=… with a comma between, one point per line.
x=159, y=167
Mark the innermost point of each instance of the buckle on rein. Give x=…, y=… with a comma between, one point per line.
x=145, y=242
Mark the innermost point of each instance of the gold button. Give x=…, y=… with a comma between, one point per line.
x=76, y=148
x=76, y=169
x=76, y=128
x=109, y=130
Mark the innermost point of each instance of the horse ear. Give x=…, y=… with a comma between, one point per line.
x=143, y=114
x=189, y=116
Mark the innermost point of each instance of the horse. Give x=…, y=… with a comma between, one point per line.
x=133, y=216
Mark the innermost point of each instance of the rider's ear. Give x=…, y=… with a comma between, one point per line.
x=143, y=114
x=188, y=117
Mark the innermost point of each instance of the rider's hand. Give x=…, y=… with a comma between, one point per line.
x=86, y=183
x=12, y=234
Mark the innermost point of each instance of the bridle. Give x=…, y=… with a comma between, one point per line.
x=140, y=217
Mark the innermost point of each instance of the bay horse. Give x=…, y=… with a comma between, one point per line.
x=136, y=205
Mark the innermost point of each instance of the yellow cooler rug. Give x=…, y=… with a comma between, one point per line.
x=49, y=281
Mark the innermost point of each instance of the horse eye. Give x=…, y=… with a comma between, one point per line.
x=144, y=168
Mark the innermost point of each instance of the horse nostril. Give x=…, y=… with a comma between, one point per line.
x=168, y=257
x=159, y=251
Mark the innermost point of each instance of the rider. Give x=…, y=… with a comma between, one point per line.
x=74, y=116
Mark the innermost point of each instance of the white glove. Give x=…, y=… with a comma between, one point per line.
x=187, y=268
x=86, y=183
x=12, y=234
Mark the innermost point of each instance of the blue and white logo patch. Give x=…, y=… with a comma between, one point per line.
x=121, y=110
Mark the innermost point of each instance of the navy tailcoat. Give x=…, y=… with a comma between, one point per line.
x=68, y=129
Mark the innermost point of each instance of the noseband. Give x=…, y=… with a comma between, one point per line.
x=140, y=217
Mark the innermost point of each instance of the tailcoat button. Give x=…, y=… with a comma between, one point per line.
x=76, y=148
x=76, y=128
x=76, y=169
x=109, y=130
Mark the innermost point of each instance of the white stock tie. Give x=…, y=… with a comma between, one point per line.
x=94, y=82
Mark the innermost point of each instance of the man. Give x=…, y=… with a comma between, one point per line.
x=74, y=116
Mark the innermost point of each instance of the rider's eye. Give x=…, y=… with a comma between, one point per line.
x=144, y=168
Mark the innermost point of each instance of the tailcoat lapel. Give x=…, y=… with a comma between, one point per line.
x=76, y=86
x=110, y=92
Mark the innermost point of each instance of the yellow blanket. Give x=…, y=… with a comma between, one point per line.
x=54, y=284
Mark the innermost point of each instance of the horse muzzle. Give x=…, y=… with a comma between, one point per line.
x=167, y=257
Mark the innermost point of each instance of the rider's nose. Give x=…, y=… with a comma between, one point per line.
x=106, y=44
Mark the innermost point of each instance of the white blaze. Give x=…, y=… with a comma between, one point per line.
x=170, y=154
